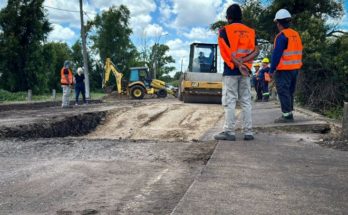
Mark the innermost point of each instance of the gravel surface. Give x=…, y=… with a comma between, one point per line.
x=81, y=176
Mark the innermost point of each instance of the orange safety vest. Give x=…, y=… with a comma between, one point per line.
x=267, y=77
x=292, y=56
x=242, y=43
x=63, y=80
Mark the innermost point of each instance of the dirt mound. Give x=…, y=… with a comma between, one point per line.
x=160, y=121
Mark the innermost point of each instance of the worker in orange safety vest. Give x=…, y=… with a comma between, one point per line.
x=238, y=48
x=66, y=81
x=286, y=63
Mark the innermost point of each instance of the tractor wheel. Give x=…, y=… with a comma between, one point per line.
x=137, y=92
x=162, y=93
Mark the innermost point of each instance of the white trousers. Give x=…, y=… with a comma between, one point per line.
x=234, y=88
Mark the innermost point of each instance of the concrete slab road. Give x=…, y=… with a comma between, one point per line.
x=275, y=174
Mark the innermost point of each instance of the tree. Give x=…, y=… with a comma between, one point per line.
x=159, y=59
x=177, y=75
x=76, y=55
x=54, y=54
x=95, y=70
x=112, y=36
x=25, y=28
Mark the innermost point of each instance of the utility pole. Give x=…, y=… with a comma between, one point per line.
x=155, y=62
x=182, y=61
x=84, y=50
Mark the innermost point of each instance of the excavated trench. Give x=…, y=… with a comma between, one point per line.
x=75, y=125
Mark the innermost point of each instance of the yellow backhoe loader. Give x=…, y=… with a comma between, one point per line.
x=138, y=84
x=201, y=83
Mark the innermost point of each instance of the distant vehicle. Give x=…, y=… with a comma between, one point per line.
x=138, y=84
x=201, y=83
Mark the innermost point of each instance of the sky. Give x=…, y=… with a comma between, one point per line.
x=176, y=23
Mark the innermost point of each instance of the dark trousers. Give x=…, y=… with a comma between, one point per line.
x=258, y=89
x=265, y=91
x=80, y=88
x=286, y=85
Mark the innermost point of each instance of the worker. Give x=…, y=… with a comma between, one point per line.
x=80, y=86
x=66, y=81
x=264, y=79
x=238, y=58
x=257, y=83
x=286, y=61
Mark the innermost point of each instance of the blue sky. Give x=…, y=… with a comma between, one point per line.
x=176, y=23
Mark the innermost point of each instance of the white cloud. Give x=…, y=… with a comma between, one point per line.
x=140, y=12
x=165, y=10
x=199, y=33
x=191, y=13
x=153, y=30
x=139, y=23
x=180, y=51
x=65, y=17
x=60, y=33
x=135, y=7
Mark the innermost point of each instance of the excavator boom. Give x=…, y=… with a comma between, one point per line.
x=110, y=67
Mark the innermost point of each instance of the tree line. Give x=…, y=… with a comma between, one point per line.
x=28, y=61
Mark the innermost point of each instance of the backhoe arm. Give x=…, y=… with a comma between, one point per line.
x=110, y=67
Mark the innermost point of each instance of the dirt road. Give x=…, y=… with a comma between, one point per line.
x=164, y=121
x=139, y=159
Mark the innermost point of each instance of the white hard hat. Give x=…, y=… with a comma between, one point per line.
x=282, y=14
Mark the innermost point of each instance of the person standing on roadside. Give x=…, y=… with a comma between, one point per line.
x=257, y=83
x=238, y=48
x=265, y=78
x=80, y=86
x=286, y=63
x=66, y=81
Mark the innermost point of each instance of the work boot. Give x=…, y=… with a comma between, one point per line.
x=285, y=119
x=225, y=136
x=248, y=137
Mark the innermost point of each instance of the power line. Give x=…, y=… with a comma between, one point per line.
x=88, y=17
x=71, y=11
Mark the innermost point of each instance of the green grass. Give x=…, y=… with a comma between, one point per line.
x=6, y=96
x=334, y=113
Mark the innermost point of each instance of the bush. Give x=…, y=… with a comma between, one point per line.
x=8, y=96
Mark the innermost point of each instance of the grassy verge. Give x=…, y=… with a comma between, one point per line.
x=334, y=113
x=6, y=97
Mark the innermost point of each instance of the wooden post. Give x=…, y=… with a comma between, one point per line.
x=345, y=121
x=30, y=95
x=54, y=94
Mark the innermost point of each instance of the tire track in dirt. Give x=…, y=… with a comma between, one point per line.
x=160, y=121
